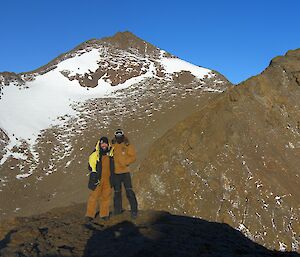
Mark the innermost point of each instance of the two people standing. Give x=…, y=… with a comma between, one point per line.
x=109, y=169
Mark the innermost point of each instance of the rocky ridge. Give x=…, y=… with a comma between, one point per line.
x=236, y=160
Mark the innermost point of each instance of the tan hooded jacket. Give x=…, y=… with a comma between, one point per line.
x=124, y=154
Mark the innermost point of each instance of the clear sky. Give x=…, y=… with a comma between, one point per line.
x=235, y=37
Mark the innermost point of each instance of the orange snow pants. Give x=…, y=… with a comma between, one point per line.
x=101, y=196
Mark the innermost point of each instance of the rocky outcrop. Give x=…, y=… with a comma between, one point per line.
x=236, y=160
x=3, y=141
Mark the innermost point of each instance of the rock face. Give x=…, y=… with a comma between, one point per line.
x=236, y=160
x=68, y=104
x=3, y=141
x=63, y=232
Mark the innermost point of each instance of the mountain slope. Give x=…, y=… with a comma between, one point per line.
x=62, y=232
x=236, y=160
x=52, y=117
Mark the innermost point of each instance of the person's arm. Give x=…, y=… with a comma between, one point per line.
x=131, y=155
x=94, y=176
x=93, y=161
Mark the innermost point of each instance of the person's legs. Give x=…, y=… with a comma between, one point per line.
x=130, y=194
x=105, y=200
x=92, y=203
x=117, y=194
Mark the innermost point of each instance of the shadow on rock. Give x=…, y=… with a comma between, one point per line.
x=169, y=235
x=124, y=238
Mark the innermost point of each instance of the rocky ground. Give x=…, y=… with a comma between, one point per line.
x=64, y=232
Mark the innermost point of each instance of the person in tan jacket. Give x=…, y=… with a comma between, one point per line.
x=101, y=165
x=124, y=155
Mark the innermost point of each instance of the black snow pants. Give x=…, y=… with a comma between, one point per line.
x=124, y=178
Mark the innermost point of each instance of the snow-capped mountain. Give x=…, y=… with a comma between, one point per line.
x=51, y=118
x=35, y=101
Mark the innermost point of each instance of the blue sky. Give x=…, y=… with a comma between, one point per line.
x=236, y=37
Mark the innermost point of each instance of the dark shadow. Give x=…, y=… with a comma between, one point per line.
x=123, y=239
x=172, y=235
x=6, y=240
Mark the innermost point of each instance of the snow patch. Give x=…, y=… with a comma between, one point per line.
x=282, y=247
x=21, y=176
x=85, y=63
x=172, y=65
x=242, y=228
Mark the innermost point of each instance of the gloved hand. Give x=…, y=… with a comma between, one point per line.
x=94, y=180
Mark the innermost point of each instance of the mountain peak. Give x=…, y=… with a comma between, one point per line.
x=125, y=35
x=291, y=57
x=295, y=52
x=127, y=40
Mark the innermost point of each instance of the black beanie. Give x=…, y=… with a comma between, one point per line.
x=103, y=140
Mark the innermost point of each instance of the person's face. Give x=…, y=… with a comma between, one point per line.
x=119, y=139
x=104, y=146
